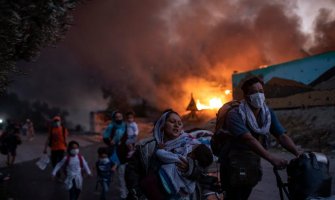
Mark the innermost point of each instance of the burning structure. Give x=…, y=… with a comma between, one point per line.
x=192, y=107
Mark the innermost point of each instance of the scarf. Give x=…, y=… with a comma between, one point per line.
x=180, y=145
x=250, y=119
x=158, y=131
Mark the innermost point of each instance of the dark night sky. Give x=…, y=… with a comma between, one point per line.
x=153, y=48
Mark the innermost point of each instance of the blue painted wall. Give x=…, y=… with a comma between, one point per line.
x=303, y=70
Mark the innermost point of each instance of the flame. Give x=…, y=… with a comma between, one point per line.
x=208, y=95
x=214, y=103
x=262, y=66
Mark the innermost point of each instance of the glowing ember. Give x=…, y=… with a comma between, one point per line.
x=214, y=103
x=262, y=66
x=227, y=92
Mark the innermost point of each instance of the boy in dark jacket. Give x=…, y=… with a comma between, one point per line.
x=105, y=169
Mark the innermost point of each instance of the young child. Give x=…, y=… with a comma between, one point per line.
x=132, y=132
x=183, y=148
x=73, y=163
x=105, y=169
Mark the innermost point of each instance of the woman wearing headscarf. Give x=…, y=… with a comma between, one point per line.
x=115, y=136
x=142, y=170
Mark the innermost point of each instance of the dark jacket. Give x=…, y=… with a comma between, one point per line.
x=138, y=167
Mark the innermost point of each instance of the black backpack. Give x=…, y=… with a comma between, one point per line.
x=221, y=136
x=308, y=176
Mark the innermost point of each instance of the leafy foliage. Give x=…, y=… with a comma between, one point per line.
x=26, y=27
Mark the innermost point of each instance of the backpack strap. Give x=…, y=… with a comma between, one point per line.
x=67, y=160
x=81, y=161
x=222, y=114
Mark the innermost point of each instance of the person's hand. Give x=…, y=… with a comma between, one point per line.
x=182, y=165
x=279, y=163
x=114, y=168
x=112, y=142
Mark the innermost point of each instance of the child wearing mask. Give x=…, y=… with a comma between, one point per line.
x=73, y=164
x=105, y=169
x=132, y=132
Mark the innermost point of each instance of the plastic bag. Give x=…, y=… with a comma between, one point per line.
x=43, y=162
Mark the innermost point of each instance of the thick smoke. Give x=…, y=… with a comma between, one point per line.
x=157, y=50
x=324, y=28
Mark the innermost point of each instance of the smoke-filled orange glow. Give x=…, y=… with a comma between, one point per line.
x=208, y=95
x=214, y=103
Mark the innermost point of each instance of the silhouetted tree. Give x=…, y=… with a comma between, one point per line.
x=27, y=27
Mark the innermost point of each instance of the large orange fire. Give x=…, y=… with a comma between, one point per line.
x=208, y=95
x=214, y=103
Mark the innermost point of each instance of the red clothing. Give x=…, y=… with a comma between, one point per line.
x=58, y=137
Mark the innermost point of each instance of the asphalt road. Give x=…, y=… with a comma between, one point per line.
x=30, y=183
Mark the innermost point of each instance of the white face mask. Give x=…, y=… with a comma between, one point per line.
x=57, y=124
x=104, y=160
x=257, y=100
x=74, y=151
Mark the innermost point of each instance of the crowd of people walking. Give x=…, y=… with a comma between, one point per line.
x=172, y=163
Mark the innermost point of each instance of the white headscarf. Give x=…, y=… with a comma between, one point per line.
x=159, y=127
x=250, y=119
x=182, y=145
